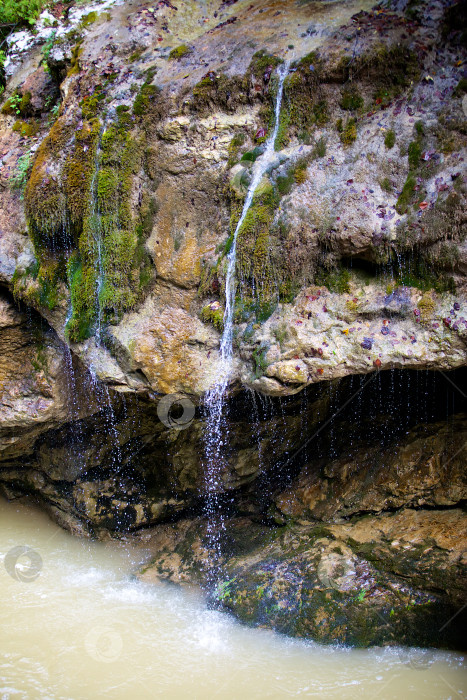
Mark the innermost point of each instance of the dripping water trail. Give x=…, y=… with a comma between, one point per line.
x=97, y=237
x=97, y=388
x=216, y=431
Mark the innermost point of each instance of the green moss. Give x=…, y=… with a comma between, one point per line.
x=415, y=154
x=417, y=273
x=283, y=138
x=461, y=88
x=319, y=148
x=38, y=285
x=26, y=129
x=300, y=173
x=136, y=55
x=348, y=131
x=284, y=183
x=144, y=98
x=179, y=52
x=219, y=91
x=281, y=333
x=407, y=194
x=44, y=196
x=390, y=69
x=386, y=184
x=88, y=19
x=337, y=280
x=214, y=314
x=89, y=208
x=263, y=62
x=260, y=362
x=79, y=170
x=75, y=54
x=351, y=99
x=18, y=104
x=233, y=149
x=303, y=102
x=390, y=139
x=25, y=102
x=83, y=287
x=91, y=105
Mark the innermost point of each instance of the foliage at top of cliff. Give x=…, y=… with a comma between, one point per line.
x=18, y=12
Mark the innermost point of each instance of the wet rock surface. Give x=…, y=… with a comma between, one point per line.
x=366, y=210
x=127, y=137
x=393, y=579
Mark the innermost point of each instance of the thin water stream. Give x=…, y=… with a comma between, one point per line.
x=216, y=437
x=85, y=629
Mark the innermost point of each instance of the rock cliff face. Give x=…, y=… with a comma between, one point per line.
x=128, y=132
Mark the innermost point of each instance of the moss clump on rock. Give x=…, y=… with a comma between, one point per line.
x=179, y=52
x=234, y=147
x=263, y=63
x=45, y=198
x=79, y=169
x=18, y=104
x=143, y=99
x=303, y=99
x=78, y=205
x=336, y=280
x=351, y=99
x=213, y=313
x=26, y=129
x=219, y=91
x=390, y=139
x=88, y=19
x=91, y=105
x=407, y=195
x=104, y=275
x=347, y=131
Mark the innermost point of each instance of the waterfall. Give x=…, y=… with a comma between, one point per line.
x=97, y=236
x=216, y=430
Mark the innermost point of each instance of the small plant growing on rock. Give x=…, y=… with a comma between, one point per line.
x=13, y=105
x=260, y=361
x=351, y=99
x=348, y=132
x=390, y=139
x=233, y=149
x=281, y=333
x=319, y=149
x=415, y=154
x=406, y=196
x=20, y=176
x=213, y=313
x=426, y=306
x=386, y=184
